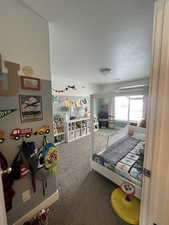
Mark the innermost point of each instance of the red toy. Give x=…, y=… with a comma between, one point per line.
x=17, y=133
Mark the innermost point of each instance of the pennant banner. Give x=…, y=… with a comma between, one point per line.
x=6, y=112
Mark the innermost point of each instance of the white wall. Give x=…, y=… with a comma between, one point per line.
x=58, y=80
x=24, y=37
x=24, y=40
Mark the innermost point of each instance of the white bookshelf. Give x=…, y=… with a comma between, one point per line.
x=76, y=129
x=59, y=138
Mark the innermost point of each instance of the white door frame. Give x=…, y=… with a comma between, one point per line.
x=3, y=218
x=155, y=198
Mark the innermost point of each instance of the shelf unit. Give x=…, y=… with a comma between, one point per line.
x=59, y=138
x=96, y=124
x=111, y=122
x=77, y=128
x=58, y=130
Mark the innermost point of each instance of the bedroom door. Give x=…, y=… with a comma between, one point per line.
x=155, y=207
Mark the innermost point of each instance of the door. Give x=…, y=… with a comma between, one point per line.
x=155, y=207
x=3, y=219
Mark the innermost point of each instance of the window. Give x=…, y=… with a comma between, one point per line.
x=129, y=108
x=121, y=108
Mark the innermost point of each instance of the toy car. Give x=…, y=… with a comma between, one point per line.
x=2, y=136
x=43, y=130
x=18, y=133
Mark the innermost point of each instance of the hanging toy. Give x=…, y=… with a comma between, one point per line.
x=50, y=154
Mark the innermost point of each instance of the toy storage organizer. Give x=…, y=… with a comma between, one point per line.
x=70, y=117
x=59, y=138
x=76, y=129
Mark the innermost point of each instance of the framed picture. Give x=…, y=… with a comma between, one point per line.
x=30, y=108
x=30, y=83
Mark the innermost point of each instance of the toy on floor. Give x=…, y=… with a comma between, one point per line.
x=125, y=204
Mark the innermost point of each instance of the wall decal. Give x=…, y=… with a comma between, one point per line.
x=30, y=83
x=13, y=84
x=70, y=87
x=2, y=136
x=17, y=133
x=43, y=130
x=30, y=108
x=27, y=70
x=73, y=87
x=6, y=112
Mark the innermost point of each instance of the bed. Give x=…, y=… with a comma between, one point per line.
x=122, y=160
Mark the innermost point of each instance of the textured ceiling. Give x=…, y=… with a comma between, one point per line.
x=87, y=35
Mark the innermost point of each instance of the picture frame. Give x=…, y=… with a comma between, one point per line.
x=30, y=83
x=30, y=108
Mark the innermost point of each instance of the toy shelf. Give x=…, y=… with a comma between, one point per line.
x=57, y=134
x=76, y=129
x=58, y=130
x=59, y=138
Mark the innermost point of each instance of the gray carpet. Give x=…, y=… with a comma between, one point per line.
x=84, y=194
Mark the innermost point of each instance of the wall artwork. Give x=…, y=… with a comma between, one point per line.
x=71, y=106
x=30, y=108
x=30, y=83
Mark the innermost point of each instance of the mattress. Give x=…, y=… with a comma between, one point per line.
x=124, y=157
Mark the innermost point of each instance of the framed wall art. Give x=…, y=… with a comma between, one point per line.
x=30, y=108
x=30, y=83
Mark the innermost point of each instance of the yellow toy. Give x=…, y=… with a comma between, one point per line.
x=43, y=130
x=126, y=206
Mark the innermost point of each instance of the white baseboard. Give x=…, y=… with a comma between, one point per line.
x=43, y=205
